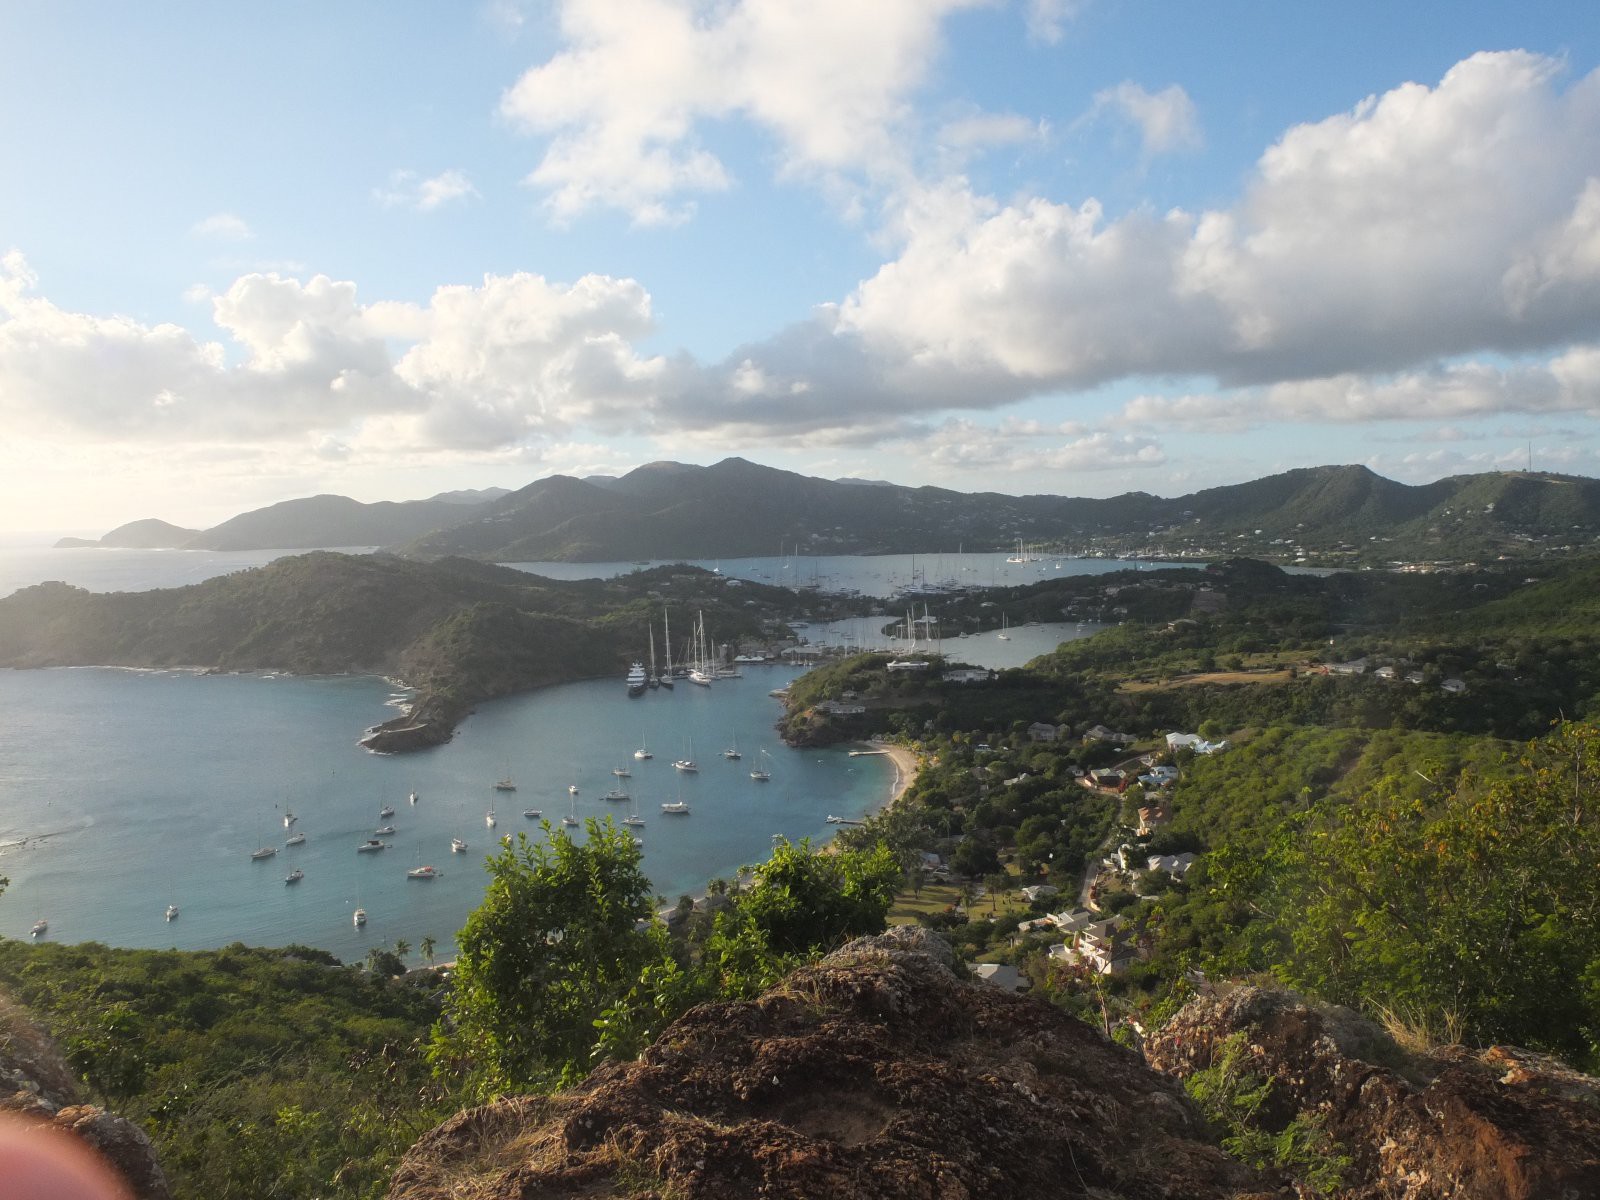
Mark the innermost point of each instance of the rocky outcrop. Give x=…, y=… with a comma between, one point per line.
x=36, y=1084
x=1454, y=1124
x=876, y=1073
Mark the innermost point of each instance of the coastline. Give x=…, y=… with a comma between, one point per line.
x=906, y=767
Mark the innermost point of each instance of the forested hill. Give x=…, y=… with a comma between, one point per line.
x=1336, y=515
x=458, y=631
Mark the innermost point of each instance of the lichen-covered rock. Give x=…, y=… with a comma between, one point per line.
x=1455, y=1124
x=876, y=1073
x=37, y=1084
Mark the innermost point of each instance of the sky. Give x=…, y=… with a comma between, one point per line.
x=1082, y=247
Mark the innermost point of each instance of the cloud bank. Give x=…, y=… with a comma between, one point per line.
x=1433, y=252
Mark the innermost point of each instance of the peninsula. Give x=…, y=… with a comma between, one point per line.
x=457, y=632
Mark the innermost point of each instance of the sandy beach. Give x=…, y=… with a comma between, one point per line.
x=906, y=766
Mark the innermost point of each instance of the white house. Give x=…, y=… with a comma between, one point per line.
x=1176, y=865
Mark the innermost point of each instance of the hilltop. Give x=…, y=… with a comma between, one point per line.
x=1333, y=515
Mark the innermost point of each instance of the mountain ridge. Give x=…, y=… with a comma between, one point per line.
x=1328, y=515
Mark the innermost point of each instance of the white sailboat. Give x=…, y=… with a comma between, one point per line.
x=643, y=752
x=703, y=671
x=572, y=815
x=172, y=912
x=732, y=752
x=666, y=645
x=488, y=817
x=763, y=771
x=1003, y=635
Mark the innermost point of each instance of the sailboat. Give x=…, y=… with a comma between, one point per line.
x=172, y=912
x=1003, y=635
x=488, y=817
x=633, y=818
x=666, y=645
x=457, y=846
x=732, y=752
x=263, y=852
x=703, y=671
x=507, y=784
x=622, y=772
x=294, y=876
x=654, y=678
x=643, y=752
x=572, y=816
x=421, y=872
x=763, y=771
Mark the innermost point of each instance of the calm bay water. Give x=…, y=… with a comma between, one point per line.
x=124, y=791
x=871, y=575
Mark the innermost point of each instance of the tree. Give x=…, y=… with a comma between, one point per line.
x=554, y=947
x=426, y=947
x=401, y=948
x=1469, y=902
x=803, y=901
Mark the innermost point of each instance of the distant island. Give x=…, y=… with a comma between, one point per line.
x=1318, y=516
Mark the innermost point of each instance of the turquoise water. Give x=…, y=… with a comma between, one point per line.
x=124, y=791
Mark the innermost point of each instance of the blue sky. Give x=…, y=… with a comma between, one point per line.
x=1070, y=246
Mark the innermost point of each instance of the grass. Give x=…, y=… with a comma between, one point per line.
x=936, y=897
x=1206, y=678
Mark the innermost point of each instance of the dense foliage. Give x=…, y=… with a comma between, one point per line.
x=256, y=1072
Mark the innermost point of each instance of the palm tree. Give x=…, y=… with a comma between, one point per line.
x=426, y=947
x=401, y=948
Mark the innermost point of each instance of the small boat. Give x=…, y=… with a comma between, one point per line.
x=384, y=830
x=533, y=814
x=423, y=873
x=360, y=917
x=622, y=772
x=488, y=817
x=412, y=797
x=371, y=844
x=572, y=789
x=676, y=808
x=40, y=928
x=457, y=846
x=294, y=876
x=172, y=912
x=569, y=820
x=686, y=765
x=505, y=785
x=289, y=819
x=295, y=839
x=635, y=820
x=732, y=754
x=641, y=754
x=763, y=771
x=615, y=794
x=264, y=852
x=386, y=811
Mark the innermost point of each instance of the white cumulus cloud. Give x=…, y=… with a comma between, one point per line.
x=621, y=104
